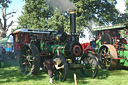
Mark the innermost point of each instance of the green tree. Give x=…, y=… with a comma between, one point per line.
x=123, y=17
x=59, y=20
x=103, y=12
x=37, y=14
x=56, y=21
x=126, y=4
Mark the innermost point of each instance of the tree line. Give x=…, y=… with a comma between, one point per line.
x=39, y=14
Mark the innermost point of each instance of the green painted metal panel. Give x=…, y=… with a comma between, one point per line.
x=126, y=60
x=50, y=48
x=123, y=54
x=60, y=48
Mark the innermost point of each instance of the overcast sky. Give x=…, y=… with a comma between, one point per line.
x=120, y=5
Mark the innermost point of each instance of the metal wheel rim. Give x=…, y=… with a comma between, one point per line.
x=91, y=67
x=105, y=58
x=26, y=60
x=61, y=74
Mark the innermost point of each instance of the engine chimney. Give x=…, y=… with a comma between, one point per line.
x=73, y=24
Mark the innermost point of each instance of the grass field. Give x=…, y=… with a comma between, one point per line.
x=13, y=76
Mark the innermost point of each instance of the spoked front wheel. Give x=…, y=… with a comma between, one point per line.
x=90, y=63
x=107, y=57
x=29, y=59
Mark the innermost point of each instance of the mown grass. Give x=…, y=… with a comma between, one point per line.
x=13, y=76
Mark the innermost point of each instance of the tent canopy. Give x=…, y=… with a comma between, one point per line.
x=4, y=40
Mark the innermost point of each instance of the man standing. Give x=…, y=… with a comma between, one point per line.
x=4, y=54
x=1, y=57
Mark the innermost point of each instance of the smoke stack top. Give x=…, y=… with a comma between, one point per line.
x=63, y=5
x=72, y=11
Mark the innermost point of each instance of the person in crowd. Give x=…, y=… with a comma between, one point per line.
x=0, y=50
x=1, y=56
x=98, y=42
x=4, y=54
x=1, y=59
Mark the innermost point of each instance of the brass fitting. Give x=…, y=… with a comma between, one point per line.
x=72, y=12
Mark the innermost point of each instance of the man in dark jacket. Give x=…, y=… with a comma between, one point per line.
x=1, y=59
x=4, y=54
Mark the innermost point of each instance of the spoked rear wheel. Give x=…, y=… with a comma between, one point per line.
x=29, y=59
x=105, y=58
x=90, y=65
x=61, y=74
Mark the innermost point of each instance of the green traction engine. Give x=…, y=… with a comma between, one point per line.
x=39, y=45
x=111, y=46
x=61, y=45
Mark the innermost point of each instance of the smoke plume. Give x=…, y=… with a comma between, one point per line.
x=63, y=5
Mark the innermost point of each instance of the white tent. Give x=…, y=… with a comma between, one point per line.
x=10, y=40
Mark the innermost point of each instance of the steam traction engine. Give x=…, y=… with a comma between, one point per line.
x=35, y=46
x=111, y=44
